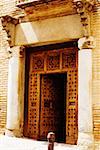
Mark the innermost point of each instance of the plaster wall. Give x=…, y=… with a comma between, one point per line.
x=49, y=30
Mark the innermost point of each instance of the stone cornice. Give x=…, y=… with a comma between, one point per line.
x=8, y=24
x=9, y=19
x=45, y=9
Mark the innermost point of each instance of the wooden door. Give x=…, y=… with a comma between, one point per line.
x=53, y=102
x=46, y=87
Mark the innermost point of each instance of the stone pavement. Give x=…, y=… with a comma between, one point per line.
x=97, y=145
x=12, y=143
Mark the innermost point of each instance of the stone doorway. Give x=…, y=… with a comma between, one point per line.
x=53, y=106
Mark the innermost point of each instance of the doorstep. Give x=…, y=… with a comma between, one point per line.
x=13, y=143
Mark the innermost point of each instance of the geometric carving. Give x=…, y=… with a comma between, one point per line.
x=56, y=60
x=37, y=63
x=53, y=61
x=69, y=59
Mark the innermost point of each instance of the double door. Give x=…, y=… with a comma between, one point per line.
x=52, y=94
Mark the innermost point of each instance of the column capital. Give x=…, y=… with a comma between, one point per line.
x=16, y=51
x=86, y=43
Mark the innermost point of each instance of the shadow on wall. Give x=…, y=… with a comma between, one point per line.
x=49, y=30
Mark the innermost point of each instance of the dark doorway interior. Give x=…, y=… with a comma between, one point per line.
x=53, y=105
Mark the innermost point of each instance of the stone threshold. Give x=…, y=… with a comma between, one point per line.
x=13, y=143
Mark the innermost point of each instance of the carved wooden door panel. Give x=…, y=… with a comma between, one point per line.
x=33, y=106
x=52, y=116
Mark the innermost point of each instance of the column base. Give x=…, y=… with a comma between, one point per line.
x=13, y=133
x=9, y=132
x=86, y=139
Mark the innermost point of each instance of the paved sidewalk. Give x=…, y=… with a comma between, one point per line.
x=12, y=143
x=97, y=145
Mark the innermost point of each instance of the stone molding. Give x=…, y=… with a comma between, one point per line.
x=17, y=51
x=9, y=24
x=21, y=51
x=84, y=8
x=96, y=6
x=40, y=10
x=86, y=43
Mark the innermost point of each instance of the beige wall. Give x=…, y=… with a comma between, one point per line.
x=49, y=30
x=95, y=29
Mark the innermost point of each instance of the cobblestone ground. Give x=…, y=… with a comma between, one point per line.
x=12, y=143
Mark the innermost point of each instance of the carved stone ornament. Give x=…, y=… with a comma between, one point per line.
x=86, y=43
x=84, y=7
x=21, y=51
x=9, y=24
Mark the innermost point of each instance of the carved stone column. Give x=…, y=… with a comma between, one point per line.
x=85, y=122
x=15, y=101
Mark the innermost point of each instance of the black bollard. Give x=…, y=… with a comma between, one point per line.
x=51, y=139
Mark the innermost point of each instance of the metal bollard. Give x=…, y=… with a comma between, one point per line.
x=51, y=139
